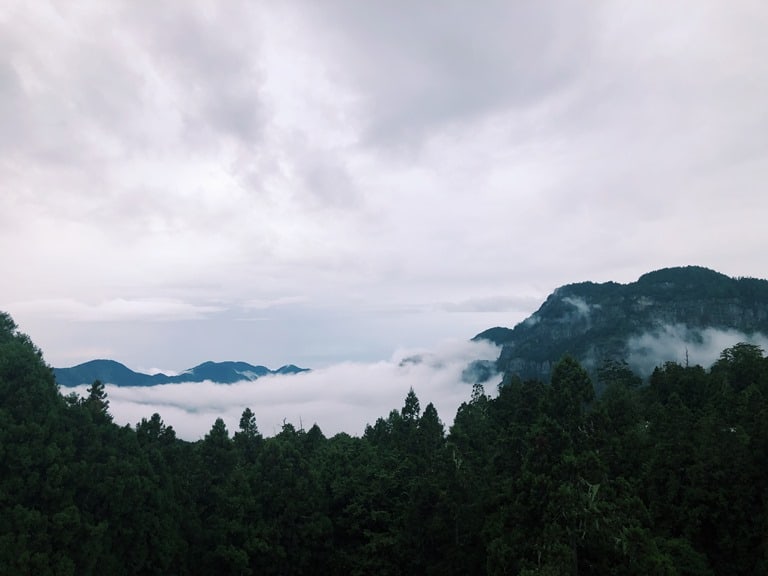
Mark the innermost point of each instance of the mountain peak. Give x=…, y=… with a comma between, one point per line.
x=655, y=319
x=683, y=275
x=112, y=372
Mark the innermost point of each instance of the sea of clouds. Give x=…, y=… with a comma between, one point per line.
x=340, y=398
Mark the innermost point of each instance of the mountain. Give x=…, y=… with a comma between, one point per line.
x=684, y=314
x=111, y=372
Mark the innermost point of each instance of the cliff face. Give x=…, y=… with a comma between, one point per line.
x=662, y=317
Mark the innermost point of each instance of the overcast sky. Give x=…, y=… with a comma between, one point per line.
x=315, y=182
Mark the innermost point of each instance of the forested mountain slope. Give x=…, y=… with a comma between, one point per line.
x=667, y=315
x=666, y=478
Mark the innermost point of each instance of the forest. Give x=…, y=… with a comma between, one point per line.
x=666, y=476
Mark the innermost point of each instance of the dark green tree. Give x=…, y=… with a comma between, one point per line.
x=96, y=402
x=248, y=439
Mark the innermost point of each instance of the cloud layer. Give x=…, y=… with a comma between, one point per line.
x=679, y=343
x=340, y=398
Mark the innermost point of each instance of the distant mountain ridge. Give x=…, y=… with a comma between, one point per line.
x=112, y=372
x=664, y=316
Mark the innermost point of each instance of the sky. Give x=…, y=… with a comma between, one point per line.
x=323, y=183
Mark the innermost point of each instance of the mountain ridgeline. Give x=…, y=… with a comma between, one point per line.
x=112, y=372
x=686, y=315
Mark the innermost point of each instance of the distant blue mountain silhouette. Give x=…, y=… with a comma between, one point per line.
x=111, y=372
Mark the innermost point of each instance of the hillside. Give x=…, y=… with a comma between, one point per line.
x=674, y=314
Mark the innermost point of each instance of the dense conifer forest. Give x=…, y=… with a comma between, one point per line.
x=668, y=476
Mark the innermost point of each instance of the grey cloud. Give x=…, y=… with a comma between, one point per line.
x=317, y=178
x=11, y=96
x=130, y=79
x=79, y=93
x=329, y=182
x=421, y=67
x=210, y=53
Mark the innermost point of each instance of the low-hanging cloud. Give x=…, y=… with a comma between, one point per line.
x=582, y=308
x=340, y=398
x=680, y=343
